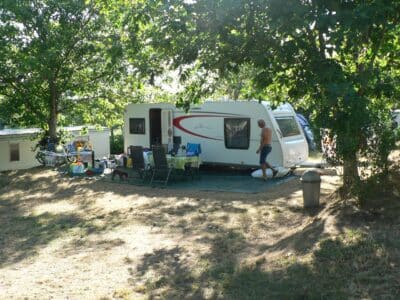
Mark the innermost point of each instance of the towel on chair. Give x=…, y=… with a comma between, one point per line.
x=193, y=149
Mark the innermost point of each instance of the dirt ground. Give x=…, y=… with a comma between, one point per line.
x=73, y=238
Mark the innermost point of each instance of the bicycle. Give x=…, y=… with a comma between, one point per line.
x=53, y=158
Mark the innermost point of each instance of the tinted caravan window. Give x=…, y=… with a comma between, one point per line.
x=237, y=133
x=136, y=126
x=288, y=126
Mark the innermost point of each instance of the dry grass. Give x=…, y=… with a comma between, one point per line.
x=87, y=239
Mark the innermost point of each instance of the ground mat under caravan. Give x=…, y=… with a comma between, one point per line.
x=214, y=179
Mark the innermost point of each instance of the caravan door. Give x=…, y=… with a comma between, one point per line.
x=167, y=130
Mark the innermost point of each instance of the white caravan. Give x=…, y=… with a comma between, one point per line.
x=227, y=131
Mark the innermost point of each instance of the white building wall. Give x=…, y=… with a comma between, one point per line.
x=26, y=155
x=100, y=141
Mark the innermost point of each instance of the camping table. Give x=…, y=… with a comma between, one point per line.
x=178, y=162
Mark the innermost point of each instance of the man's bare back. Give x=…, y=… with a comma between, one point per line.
x=266, y=136
x=265, y=148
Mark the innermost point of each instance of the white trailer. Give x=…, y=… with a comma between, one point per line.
x=226, y=130
x=16, y=145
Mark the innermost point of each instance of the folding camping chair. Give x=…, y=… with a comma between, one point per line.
x=193, y=149
x=160, y=164
x=138, y=164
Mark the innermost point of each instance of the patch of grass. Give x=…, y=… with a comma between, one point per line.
x=171, y=277
x=245, y=222
x=123, y=293
x=4, y=180
x=275, y=213
x=140, y=288
x=354, y=265
x=28, y=233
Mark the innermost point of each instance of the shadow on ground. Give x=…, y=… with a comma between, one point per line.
x=207, y=179
x=24, y=233
x=353, y=264
x=226, y=240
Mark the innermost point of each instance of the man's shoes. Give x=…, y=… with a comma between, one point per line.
x=274, y=172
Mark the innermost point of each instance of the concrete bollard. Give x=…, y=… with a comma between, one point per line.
x=311, y=183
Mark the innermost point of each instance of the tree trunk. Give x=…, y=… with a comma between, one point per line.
x=53, y=111
x=351, y=176
x=112, y=133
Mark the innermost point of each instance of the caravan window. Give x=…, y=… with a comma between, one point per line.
x=288, y=126
x=237, y=133
x=136, y=125
x=14, y=152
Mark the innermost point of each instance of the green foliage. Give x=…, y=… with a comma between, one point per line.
x=198, y=84
x=117, y=144
x=60, y=62
x=339, y=58
x=43, y=138
x=73, y=62
x=381, y=143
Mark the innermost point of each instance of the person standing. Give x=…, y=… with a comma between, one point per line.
x=265, y=148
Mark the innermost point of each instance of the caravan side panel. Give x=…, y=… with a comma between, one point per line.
x=210, y=124
x=136, y=111
x=137, y=123
x=213, y=124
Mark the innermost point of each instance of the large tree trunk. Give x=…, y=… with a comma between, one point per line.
x=53, y=111
x=351, y=176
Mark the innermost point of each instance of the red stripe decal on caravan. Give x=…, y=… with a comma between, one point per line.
x=177, y=124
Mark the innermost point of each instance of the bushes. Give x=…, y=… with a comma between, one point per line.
x=117, y=144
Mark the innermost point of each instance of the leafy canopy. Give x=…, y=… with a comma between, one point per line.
x=338, y=59
x=56, y=56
